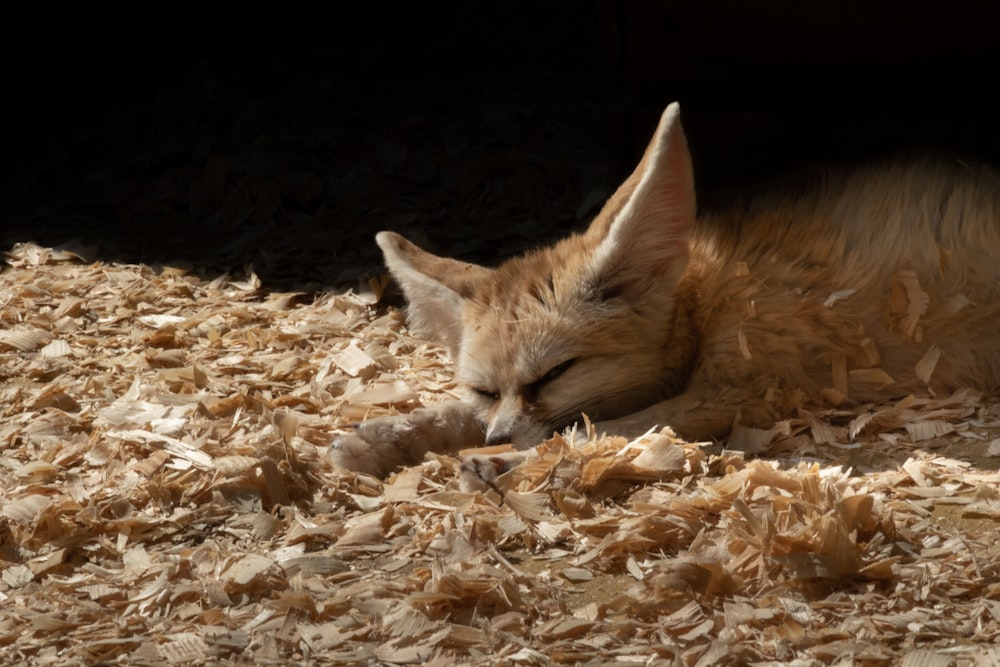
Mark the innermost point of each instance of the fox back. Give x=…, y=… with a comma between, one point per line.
x=869, y=285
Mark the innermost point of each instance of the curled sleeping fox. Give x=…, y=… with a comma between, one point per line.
x=868, y=286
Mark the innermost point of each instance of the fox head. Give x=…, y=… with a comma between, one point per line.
x=590, y=325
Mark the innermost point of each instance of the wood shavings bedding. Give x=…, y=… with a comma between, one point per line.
x=166, y=498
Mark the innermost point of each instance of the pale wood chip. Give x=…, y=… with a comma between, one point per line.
x=368, y=529
x=353, y=361
x=838, y=362
x=184, y=648
x=925, y=367
x=741, y=338
x=56, y=348
x=838, y=296
x=925, y=430
x=395, y=392
x=248, y=571
x=908, y=302
x=870, y=376
x=24, y=338
x=176, y=447
x=956, y=303
x=531, y=506
x=869, y=357
x=926, y=658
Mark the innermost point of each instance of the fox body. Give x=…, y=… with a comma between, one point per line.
x=870, y=285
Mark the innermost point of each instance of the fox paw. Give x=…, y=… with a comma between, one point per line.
x=353, y=452
x=480, y=471
x=379, y=446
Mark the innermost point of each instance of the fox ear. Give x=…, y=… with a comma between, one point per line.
x=641, y=234
x=435, y=288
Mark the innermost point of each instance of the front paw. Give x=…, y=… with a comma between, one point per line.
x=481, y=470
x=354, y=452
x=379, y=446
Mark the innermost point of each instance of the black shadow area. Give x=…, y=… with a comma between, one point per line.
x=286, y=134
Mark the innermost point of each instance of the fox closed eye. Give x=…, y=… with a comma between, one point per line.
x=532, y=388
x=553, y=373
x=486, y=394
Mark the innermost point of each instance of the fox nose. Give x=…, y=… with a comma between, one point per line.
x=497, y=437
x=503, y=420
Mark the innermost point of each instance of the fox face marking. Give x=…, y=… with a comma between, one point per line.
x=511, y=411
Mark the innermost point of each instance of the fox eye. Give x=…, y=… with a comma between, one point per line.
x=553, y=373
x=487, y=394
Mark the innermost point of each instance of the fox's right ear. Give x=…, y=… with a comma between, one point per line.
x=435, y=288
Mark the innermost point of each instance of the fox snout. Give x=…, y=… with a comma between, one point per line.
x=497, y=436
x=503, y=419
x=509, y=421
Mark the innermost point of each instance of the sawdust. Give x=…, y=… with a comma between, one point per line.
x=166, y=497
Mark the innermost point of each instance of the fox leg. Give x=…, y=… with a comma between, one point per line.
x=695, y=414
x=379, y=446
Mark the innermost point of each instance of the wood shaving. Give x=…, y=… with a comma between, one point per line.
x=925, y=367
x=908, y=303
x=166, y=497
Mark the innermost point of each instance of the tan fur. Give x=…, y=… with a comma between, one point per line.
x=835, y=293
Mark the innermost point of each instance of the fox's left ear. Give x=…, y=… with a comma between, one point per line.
x=642, y=232
x=435, y=288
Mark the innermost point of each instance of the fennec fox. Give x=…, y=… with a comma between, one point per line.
x=871, y=285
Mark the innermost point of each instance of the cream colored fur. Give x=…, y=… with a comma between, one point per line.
x=870, y=285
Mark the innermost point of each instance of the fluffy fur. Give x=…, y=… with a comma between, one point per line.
x=867, y=286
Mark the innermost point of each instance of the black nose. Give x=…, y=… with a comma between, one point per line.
x=498, y=438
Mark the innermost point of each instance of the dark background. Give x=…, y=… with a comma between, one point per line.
x=286, y=134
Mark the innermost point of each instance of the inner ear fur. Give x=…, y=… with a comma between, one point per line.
x=641, y=234
x=435, y=288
